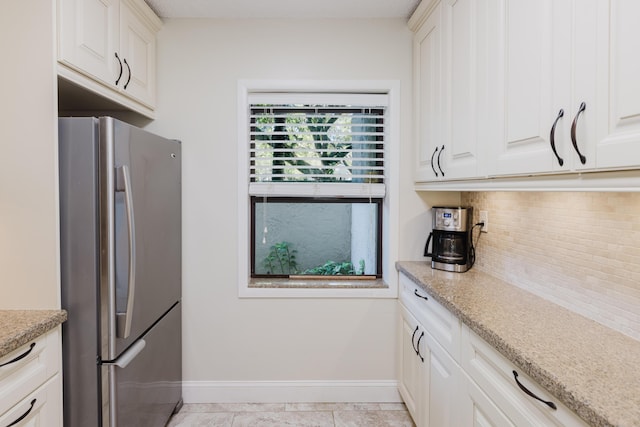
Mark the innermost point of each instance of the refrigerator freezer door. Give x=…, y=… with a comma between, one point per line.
x=147, y=186
x=146, y=388
x=80, y=268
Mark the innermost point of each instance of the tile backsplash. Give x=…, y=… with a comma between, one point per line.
x=580, y=250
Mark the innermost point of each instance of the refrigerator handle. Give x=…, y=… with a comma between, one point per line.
x=123, y=178
x=131, y=353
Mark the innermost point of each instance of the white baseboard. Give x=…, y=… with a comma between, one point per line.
x=289, y=391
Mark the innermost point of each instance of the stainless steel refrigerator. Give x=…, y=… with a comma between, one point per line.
x=120, y=233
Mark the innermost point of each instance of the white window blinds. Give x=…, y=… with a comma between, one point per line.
x=317, y=144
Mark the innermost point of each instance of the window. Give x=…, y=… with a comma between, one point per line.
x=325, y=154
x=318, y=198
x=316, y=237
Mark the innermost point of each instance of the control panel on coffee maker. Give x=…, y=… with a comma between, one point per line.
x=451, y=219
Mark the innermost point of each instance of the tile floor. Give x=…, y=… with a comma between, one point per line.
x=292, y=414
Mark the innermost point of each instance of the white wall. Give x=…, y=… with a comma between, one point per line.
x=29, y=252
x=232, y=339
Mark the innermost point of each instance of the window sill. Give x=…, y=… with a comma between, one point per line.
x=298, y=288
x=317, y=283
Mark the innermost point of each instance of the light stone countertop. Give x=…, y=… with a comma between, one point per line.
x=19, y=327
x=592, y=369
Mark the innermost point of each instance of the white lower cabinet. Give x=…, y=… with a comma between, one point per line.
x=443, y=377
x=41, y=408
x=411, y=368
x=466, y=384
x=428, y=376
x=505, y=384
x=30, y=383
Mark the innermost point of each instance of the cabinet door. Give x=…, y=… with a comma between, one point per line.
x=620, y=146
x=410, y=369
x=526, y=103
x=464, y=74
x=428, y=96
x=587, y=52
x=476, y=409
x=138, y=49
x=443, y=381
x=88, y=37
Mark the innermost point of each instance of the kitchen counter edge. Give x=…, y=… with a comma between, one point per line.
x=545, y=340
x=19, y=327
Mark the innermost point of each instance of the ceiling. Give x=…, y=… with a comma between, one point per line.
x=269, y=9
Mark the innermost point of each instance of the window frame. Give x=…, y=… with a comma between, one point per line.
x=385, y=287
x=379, y=212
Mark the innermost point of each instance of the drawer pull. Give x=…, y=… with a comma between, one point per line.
x=22, y=356
x=418, y=347
x=415, y=292
x=523, y=388
x=23, y=416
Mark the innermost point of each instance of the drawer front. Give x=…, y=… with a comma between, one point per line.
x=38, y=409
x=437, y=320
x=20, y=378
x=494, y=375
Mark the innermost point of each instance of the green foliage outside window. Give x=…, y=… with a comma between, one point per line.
x=282, y=260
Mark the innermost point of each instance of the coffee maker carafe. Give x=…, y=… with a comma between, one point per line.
x=451, y=236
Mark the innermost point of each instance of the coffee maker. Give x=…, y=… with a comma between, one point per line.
x=452, y=248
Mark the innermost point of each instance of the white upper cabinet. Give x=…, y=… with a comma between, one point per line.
x=109, y=47
x=428, y=105
x=513, y=88
x=525, y=103
x=89, y=37
x=549, y=86
x=138, y=47
x=620, y=145
x=450, y=78
x=465, y=74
